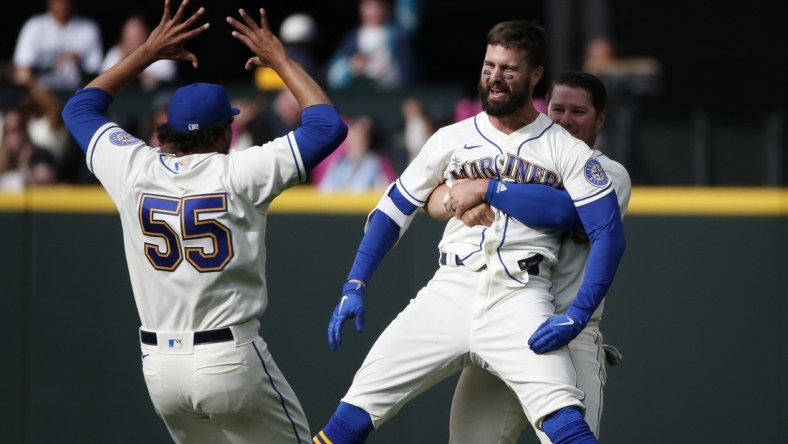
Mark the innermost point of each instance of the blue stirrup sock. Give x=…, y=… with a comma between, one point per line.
x=348, y=425
x=566, y=426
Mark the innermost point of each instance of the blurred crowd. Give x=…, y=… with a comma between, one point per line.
x=59, y=50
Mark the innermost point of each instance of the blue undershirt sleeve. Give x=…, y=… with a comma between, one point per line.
x=535, y=205
x=602, y=222
x=85, y=112
x=381, y=235
x=322, y=130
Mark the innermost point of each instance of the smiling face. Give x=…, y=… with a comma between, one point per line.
x=506, y=81
x=572, y=108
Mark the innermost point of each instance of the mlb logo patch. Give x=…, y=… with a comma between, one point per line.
x=174, y=343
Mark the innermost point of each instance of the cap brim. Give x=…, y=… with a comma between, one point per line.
x=236, y=111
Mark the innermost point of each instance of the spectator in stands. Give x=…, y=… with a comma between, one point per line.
x=133, y=34
x=363, y=166
x=58, y=47
x=377, y=52
x=418, y=126
x=22, y=164
x=42, y=109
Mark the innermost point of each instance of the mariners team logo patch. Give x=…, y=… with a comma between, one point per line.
x=122, y=138
x=595, y=174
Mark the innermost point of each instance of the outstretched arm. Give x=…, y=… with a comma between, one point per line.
x=386, y=224
x=165, y=42
x=322, y=128
x=269, y=52
x=85, y=112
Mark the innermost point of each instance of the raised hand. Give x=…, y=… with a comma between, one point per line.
x=164, y=42
x=167, y=39
x=268, y=49
x=269, y=52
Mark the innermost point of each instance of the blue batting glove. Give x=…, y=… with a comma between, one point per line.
x=558, y=330
x=350, y=305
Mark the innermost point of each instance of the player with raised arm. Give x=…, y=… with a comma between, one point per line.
x=484, y=409
x=194, y=226
x=489, y=302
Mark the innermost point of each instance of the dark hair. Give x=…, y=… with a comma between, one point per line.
x=193, y=139
x=526, y=35
x=589, y=82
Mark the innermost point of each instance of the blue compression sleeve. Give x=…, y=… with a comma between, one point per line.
x=85, y=113
x=322, y=130
x=349, y=424
x=382, y=233
x=535, y=205
x=567, y=426
x=602, y=222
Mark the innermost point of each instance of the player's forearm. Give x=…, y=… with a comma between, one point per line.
x=535, y=205
x=381, y=235
x=119, y=76
x=387, y=222
x=305, y=89
x=435, y=207
x=602, y=222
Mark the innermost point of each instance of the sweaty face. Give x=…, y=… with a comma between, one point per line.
x=571, y=108
x=505, y=84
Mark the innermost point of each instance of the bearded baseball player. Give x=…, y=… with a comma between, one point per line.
x=484, y=409
x=194, y=227
x=489, y=303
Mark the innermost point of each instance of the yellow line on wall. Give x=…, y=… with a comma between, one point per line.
x=720, y=201
x=678, y=201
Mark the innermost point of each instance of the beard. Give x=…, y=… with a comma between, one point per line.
x=517, y=99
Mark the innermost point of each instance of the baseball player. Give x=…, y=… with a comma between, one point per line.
x=194, y=234
x=489, y=302
x=484, y=409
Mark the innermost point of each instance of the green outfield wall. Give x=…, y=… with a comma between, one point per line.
x=698, y=309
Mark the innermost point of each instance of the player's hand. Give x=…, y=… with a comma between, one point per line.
x=558, y=331
x=466, y=194
x=268, y=49
x=167, y=39
x=481, y=214
x=350, y=305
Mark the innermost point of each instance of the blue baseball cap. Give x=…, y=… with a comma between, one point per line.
x=198, y=106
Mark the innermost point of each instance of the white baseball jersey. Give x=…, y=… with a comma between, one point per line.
x=483, y=310
x=542, y=152
x=194, y=226
x=484, y=409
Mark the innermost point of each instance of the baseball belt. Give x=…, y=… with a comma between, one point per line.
x=530, y=264
x=200, y=337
